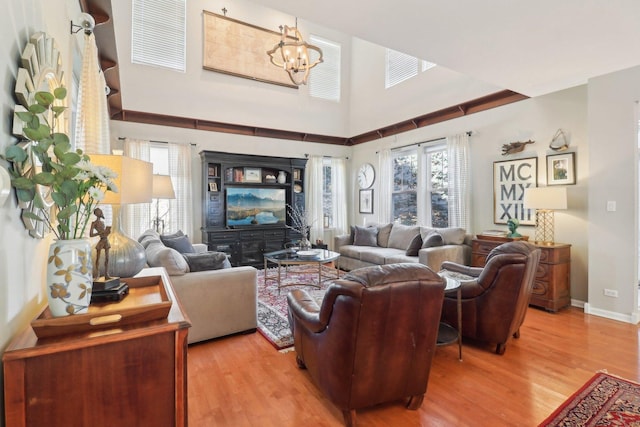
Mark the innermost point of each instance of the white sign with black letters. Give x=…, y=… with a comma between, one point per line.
x=510, y=178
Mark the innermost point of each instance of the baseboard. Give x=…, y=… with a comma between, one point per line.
x=627, y=318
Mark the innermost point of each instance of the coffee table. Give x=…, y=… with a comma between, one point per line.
x=287, y=257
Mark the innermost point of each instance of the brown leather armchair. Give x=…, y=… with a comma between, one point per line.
x=373, y=337
x=495, y=300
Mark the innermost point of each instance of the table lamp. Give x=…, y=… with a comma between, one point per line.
x=162, y=189
x=126, y=256
x=545, y=200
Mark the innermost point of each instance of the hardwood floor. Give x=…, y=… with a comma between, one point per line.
x=243, y=381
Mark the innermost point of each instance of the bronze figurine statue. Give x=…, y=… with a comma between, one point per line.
x=99, y=229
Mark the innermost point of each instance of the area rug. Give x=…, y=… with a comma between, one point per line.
x=272, y=303
x=605, y=400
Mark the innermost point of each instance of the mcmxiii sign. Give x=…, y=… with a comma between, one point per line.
x=510, y=179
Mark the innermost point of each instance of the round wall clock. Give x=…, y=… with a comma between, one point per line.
x=40, y=69
x=366, y=176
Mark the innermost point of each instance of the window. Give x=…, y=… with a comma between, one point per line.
x=401, y=67
x=420, y=186
x=158, y=33
x=327, y=194
x=324, y=81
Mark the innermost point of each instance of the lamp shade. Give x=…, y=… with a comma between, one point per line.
x=545, y=198
x=134, y=179
x=162, y=187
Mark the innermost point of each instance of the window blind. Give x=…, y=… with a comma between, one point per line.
x=324, y=81
x=158, y=33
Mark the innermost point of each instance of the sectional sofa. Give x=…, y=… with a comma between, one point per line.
x=380, y=244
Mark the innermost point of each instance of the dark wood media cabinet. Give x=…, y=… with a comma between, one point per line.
x=552, y=286
x=245, y=244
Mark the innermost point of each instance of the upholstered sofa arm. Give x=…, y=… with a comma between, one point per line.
x=462, y=269
x=342, y=240
x=199, y=247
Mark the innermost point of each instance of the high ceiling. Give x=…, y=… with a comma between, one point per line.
x=532, y=47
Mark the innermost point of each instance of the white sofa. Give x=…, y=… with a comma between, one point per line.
x=218, y=302
x=397, y=243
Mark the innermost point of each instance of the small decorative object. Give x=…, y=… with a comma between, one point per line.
x=69, y=277
x=300, y=223
x=270, y=179
x=559, y=142
x=514, y=147
x=561, y=169
x=73, y=184
x=252, y=175
x=282, y=177
x=366, y=201
x=98, y=228
x=513, y=224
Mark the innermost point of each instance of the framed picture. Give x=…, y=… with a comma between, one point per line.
x=213, y=186
x=252, y=175
x=510, y=179
x=366, y=201
x=561, y=169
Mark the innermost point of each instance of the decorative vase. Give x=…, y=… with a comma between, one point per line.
x=282, y=177
x=69, y=277
x=305, y=244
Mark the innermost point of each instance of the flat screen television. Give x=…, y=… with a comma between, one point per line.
x=247, y=206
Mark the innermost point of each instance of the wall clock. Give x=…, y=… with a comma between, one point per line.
x=366, y=176
x=40, y=69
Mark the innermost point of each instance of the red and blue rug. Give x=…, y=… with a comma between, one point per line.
x=605, y=400
x=272, y=302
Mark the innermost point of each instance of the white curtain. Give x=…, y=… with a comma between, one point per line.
x=180, y=216
x=339, y=194
x=136, y=219
x=313, y=190
x=92, y=114
x=459, y=173
x=385, y=186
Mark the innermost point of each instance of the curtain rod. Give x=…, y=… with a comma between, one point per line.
x=424, y=142
x=193, y=144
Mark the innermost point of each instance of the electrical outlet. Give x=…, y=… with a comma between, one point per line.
x=611, y=293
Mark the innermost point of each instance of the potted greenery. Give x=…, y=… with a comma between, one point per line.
x=46, y=166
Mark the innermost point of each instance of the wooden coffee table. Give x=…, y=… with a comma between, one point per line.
x=287, y=257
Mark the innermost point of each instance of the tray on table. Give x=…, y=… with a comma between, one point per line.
x=147, y=300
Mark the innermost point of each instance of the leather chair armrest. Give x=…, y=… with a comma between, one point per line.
x=462, y=269
x=306, y=310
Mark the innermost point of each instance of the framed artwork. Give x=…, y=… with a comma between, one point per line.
x=252, y=175
x=510, y=179
x=561, y=169
x=366, y=201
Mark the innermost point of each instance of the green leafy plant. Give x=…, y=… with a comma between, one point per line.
x=48, y=166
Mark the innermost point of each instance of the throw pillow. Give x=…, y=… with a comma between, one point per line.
x=207, y=261
x=178, y=233
x=180, y=244
x=433, y=239
x=158, y=255
x=383, y=234
x=414, y=246
x=401, y=235
x=365, y=236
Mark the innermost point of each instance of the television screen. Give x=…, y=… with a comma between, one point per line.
x=255, y=206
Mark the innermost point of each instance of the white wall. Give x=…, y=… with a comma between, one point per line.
x=209, y=95
x=613, y=165
x=537, y=119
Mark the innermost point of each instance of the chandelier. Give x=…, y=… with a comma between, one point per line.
x=294, y=55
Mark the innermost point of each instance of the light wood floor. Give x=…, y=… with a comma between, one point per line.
x=243, y=381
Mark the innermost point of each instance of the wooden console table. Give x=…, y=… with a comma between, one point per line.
x=552, y=286
x=133, y=375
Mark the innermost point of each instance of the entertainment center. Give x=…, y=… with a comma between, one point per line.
x=245, y=199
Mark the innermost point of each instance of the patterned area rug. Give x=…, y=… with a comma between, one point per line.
x=272, y=303
x=604, y=400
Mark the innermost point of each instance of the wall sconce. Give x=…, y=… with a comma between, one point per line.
x=87, y=23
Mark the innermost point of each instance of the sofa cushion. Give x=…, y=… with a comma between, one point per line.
x=414, y=246
x=450, y=235
x=384, y=230
x=402, y=235
x=399, y=257
x=207, y=261
x=377, y=255
x=158, y=255
x=432, y=240
x=180, y=244
x=365, y=236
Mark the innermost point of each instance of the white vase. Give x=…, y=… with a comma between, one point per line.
x=69, y=277
x=282, y=177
